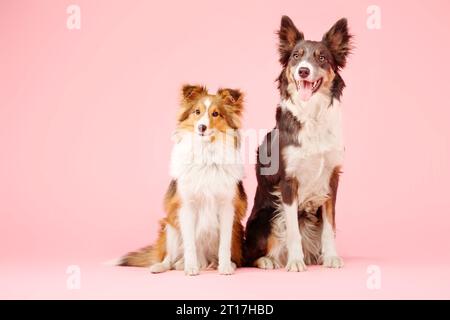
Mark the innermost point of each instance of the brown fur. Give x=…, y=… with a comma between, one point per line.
x=331, y=203
x=237, y=240
x=289, y=35
x=272, y=242
x=311, y=230
x=338, y=40
x=289, y=190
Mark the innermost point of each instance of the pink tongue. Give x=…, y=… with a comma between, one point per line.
x=305, y=89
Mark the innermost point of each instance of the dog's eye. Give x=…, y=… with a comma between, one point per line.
x=295, y=55
x=215, y=114
x=322, y=58
x=197, y=111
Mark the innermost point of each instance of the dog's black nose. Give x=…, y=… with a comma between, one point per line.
x=303, y=72
x=202, y=128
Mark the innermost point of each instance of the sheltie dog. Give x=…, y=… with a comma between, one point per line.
x=205, y=201
x=292, y=223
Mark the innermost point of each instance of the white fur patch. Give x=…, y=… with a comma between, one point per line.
x=207, y=174
x=207, y=103
x=293, y=236
x=204, y=120
x=226, y=217
x=328, y=245
x=304, y=64
x=321, y=147
x=173, y=244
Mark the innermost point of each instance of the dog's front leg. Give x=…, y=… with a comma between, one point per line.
x=187, y=226
x=226, y=217
x=330, y=256
x=289, y=197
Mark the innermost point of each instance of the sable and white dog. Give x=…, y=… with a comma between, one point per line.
x=293, y=219
x=205, y=202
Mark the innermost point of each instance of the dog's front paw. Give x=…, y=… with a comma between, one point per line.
x=227, y=268
x=333, y=262
x=191, y=270
x=297, y=265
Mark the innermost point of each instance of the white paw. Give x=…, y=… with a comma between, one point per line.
x=179, y=265
x=227, y=268
x=191, y=270
x=333, y=262
x=159, y=267
x=296, y=266
x=266, y=263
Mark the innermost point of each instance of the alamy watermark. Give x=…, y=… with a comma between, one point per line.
x=374, y=279
x=233, y=147
x=73, y=281
x=73, y=21
x=374, y=19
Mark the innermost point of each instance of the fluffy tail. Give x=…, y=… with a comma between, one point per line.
x=142, y=258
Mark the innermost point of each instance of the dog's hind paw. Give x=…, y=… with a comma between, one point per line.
x=266, y=263
x=333, y=262
x=159, y=267
x=179, y=265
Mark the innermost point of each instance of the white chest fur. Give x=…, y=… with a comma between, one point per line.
x=320, y=150
x=207, y=174
x=202, y=168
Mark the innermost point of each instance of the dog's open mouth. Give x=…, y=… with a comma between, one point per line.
x=307, y=88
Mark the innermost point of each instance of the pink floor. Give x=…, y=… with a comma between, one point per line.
x=407, y=279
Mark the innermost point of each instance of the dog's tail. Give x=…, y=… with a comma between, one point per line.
x=144, y=257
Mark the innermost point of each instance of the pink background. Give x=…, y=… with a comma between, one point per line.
x=86, y=118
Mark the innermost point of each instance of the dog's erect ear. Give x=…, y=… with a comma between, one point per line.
x=338, y=40
x=288, y=37
x=232, y=97
x=192, y=92
x=189, y=94
x=233, y=103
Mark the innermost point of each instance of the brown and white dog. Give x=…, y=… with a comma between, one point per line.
x=205, y=202
x=292, y=223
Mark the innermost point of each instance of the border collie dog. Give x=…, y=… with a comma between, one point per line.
x=292, y=223
x=205, y=202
